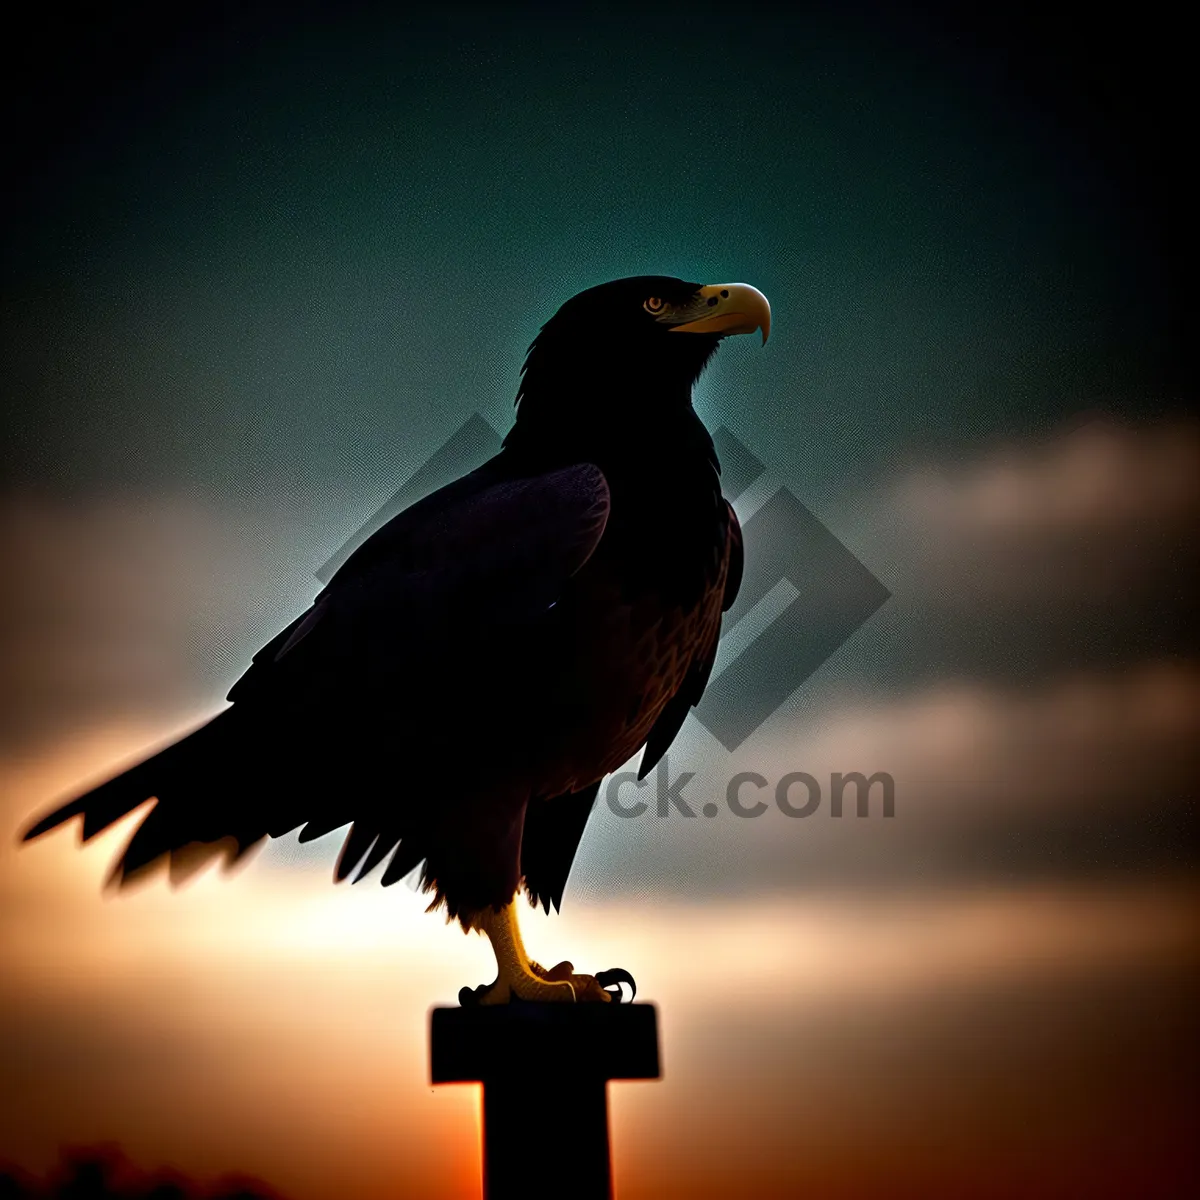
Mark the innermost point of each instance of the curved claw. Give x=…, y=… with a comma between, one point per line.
x=617, y=976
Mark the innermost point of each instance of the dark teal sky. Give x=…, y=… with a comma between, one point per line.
x=300, y=254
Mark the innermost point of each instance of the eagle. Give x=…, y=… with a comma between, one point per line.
x=456, y=694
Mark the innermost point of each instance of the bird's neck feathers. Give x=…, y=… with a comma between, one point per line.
x=623, y=417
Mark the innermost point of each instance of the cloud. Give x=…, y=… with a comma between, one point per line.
x=1071, y=552
x=1032, y=723
x=1092, y=513
x=1097, y=474
x=1089, y=774
x=137, y=605
x=1026, y=559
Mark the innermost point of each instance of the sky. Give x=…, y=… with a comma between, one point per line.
x=257, y=270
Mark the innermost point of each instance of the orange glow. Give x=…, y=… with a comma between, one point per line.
x=271, y=1022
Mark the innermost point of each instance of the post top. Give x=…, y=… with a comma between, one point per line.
x=596, y=1041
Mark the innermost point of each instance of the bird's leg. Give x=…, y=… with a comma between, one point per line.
x=518, y=977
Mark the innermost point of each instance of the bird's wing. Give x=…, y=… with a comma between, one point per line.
x=473, y=560
x=550, y=840
x=673, y=715
x=737, y=560
x=482, y=554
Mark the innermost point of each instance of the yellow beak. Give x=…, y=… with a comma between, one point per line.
x=725, y=308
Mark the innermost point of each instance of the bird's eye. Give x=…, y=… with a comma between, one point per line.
x=654, y=304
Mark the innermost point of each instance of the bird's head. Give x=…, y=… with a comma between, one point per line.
x=631, y=349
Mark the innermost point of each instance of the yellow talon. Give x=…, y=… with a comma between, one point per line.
x=519, y=977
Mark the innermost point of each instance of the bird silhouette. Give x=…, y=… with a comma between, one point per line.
x=462, y=685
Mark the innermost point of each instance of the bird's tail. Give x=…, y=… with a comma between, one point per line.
x=192, y=820
x=106, y=804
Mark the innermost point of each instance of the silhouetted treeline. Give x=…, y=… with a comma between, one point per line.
x=104, y=1173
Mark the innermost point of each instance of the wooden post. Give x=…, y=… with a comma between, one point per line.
x=545, y=1070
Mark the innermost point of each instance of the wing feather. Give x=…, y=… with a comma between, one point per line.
x=483, y=553
x=463, y=569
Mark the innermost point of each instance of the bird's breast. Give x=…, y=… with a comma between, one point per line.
x=628, y=630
